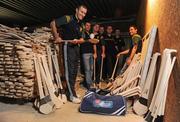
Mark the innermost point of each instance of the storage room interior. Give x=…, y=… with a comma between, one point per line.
x=31, y=18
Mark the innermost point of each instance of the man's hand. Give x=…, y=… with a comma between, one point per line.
x=80, y=41
x=77, y=41
x=95, y=55
x=93, y=41
x=103, y=55
x=128, y=61
x=118, y=55
x=58, y=40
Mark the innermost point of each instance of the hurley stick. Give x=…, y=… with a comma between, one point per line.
x=49, y=58
x=55, y=58
x=58, y=79
x=132, y=71
x=160, y=104
x=45, y=104
x=131, y=91
x=136, y=68
x=49, y=53
x=102, y=62
x=125, y=76
x=112, y=76
x=45, y=72
x=94, y=41
x=46, y=92
x=160, y=84
x=140, y=107
x=148, y=117
x=118, y=90
x=94, y=72
x=148, y=53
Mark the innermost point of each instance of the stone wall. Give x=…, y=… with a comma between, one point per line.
x=166, y=15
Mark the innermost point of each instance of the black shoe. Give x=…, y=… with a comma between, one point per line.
x=83, y=86
x=103, y=92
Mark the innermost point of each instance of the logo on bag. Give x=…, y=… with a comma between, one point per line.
x=103, y=104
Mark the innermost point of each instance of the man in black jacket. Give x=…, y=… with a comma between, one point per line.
x=71, y=26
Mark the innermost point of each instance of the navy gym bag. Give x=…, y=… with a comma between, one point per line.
x=107, y=105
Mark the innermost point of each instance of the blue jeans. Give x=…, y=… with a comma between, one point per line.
x=88, y=67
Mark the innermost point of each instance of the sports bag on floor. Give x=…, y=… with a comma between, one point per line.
x=107, y=105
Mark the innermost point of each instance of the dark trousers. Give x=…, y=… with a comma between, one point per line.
x=98, y=66
x=72, y=62
x=110, y=62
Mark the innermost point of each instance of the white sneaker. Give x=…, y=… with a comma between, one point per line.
x=76, y=100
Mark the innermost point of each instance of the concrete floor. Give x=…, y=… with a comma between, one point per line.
x=68, y=113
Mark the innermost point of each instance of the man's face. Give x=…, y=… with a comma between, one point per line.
x=132, y=31
x=109, y=29
x=96, y=28
x=101, y=30
x=81, y=13
x=88, y=26
x=117, y=32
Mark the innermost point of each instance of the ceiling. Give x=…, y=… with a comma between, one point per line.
x=37, y=12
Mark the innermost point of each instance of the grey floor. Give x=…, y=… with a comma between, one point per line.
x=68, y=113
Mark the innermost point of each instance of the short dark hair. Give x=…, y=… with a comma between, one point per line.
x=87, y=22
x=82, y=5
x=96, y=24
x=117, y=29
x=134, y=26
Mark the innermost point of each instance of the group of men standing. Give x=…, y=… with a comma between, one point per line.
x=102, y=55
x=93, y=54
